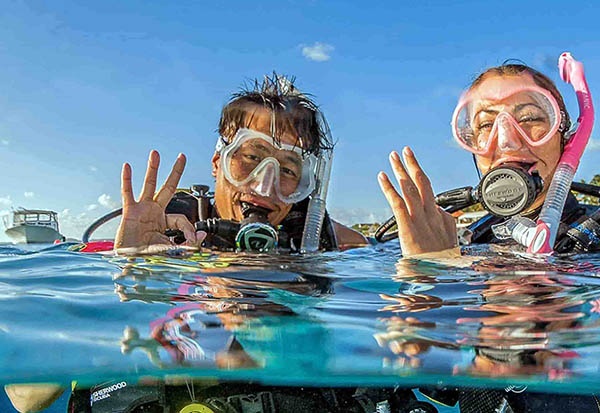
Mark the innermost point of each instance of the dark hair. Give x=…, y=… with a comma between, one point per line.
x=291, y=111
x=514, y=69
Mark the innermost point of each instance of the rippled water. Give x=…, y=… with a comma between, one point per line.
x=358, y=317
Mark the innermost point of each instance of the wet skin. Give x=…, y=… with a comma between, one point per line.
x=511, y=147
x=228, y=197
x=423, y=227
x=144, y=220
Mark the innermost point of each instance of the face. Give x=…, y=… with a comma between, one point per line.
x=228, y=197
x=509, y=145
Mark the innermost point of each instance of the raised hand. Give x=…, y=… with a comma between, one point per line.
x=423, y=226
x=144, y=222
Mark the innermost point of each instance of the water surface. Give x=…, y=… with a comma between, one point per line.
x=358, y=317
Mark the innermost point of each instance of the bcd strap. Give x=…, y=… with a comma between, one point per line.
x=583, y=236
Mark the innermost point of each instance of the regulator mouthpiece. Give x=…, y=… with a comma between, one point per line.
x=255, y=233
x=256, y=237
x=509, y=189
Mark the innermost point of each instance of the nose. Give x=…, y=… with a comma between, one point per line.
x=264, y=184
x=508, y=137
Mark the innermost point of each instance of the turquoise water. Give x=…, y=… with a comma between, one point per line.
x=345, y=318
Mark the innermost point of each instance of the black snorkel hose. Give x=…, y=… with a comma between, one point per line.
x=194, y=203
x=85, y=238
x=451, y=201
x=586, y=189
x=460, y=198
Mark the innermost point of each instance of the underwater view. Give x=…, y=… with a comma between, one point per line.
x=356, y=319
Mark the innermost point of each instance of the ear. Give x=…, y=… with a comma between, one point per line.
x=215, y=163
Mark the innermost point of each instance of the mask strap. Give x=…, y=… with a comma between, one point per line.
x=563, y=122
x=273, y=124
x=221, y=144
x=476, y=167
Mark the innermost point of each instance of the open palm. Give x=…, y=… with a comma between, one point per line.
x=144, y=222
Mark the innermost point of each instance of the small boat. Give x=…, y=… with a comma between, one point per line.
x=29, y=226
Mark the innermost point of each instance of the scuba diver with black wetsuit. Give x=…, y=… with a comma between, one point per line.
x=274, y=151
x=271, y=163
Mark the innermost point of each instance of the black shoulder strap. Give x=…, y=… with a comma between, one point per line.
x=482, y=229
x=292, y=228
x=581, y=236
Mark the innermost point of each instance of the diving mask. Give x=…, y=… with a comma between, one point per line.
x=484, y=116
x=253, y=162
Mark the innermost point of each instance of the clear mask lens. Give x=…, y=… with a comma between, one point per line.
x=531, y=114
x=252, y=162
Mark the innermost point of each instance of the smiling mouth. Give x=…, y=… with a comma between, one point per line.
x=256, y=203
x=528, y=166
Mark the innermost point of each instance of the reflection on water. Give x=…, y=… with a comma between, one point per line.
x=353, y=318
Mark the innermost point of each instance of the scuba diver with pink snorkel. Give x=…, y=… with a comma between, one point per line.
x=515, y=123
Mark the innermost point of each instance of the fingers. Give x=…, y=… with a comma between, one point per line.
x=170, y=186
x=393, y=197
x=180, y=222
x=409, y=190
x=149, y=187
x=126, y=189
x=419, y=178
x=450, y=227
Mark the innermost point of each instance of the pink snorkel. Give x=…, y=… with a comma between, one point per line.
x=540, y=239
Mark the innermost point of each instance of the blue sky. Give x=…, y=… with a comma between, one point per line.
x=86, y=86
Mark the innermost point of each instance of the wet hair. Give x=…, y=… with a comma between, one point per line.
x=514, y=67
x=291, y=111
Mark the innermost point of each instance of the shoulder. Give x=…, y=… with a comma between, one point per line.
x=347, y=237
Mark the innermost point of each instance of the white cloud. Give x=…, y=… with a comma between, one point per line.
x=5, y=201
x=593, y=145
x=28, y=194
x=92, y=207
x=93, y=168
x=319, y=52
x=4, y=142
x=106, y=201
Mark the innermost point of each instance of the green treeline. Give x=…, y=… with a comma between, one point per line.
x=588, y=199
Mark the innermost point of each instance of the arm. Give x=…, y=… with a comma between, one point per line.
x=423, y=227
x=27, y=398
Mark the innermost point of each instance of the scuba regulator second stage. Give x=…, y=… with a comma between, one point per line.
x=253, y=234
x=504, y=191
